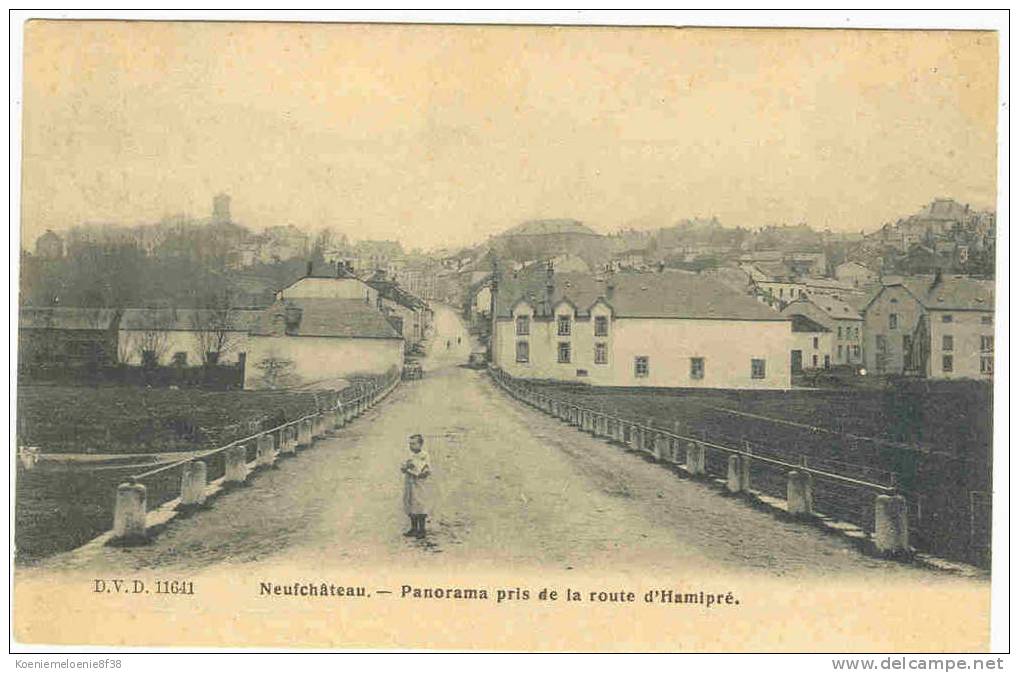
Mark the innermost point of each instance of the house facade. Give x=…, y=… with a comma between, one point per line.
x=308, y=340
x=67, y=337
x=638, y=330
x=856, y=274
x=811, y=345
x=184, y=337
x=937, y=327
x=843, y=321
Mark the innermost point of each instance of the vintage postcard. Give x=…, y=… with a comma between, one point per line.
x=522, y=338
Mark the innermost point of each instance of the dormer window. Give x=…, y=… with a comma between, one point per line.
x=523, y=325
x=563, y=324
x=601, y=325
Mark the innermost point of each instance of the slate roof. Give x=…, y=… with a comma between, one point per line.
x=67, y=318
x=834, y=308
x=636, y=295
x=952, y=292
x=802, y=323
x=326, y=317
x=187, y=319
x=552, y=226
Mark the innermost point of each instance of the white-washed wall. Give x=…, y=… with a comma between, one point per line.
x=321, y=358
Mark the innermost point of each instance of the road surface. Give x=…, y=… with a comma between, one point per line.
x=513, y=489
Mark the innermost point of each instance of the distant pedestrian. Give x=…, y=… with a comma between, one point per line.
x=416, y=471
x=447, y=344
x=458, y=341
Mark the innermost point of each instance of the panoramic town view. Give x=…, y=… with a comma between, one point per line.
x=339, y=297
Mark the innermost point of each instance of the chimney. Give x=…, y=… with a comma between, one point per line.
x=307, y=273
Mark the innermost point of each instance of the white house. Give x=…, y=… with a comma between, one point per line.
x=184, y=336
x=342, y=283
x=844, y=321
x=812, y=345
x=300, y=341
x=856, y=274
x=638, y=330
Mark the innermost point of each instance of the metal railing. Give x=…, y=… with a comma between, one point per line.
x=847, y=497
x=205, y=473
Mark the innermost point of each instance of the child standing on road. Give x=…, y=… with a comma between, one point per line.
x=416, y=470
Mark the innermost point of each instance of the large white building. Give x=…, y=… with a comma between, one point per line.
x=665, y=329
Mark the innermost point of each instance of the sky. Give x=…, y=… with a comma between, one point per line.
x=445, y=135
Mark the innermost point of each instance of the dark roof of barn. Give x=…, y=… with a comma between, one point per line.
x=67, y=318
x=952, y=292
x=636, y=295
x=188, y=319
x=802, y=323
x=326, y=317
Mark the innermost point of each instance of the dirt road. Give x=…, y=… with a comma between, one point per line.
x=513, y=488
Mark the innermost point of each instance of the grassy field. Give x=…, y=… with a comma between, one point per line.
x=61, y=506
x=932, y=440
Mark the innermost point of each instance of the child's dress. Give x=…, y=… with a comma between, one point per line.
x=415, y=483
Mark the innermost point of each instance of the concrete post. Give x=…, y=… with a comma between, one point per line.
x=236, y=458
x=193, y=479
x=800, y=494
x=660, y=447
x=620, y=432
x=304, y=437
x=734, y=475
x=341, y=415
x=634, y=437
x=265, y=456
x=288, y=444
x=695, y=458
x=891, y=524
x=129, y=512
x=744, y=475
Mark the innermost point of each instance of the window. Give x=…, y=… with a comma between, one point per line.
x=523, y=351
x=856, y=351
x=986, y=364
x=815, y=343
x=840, y=352
x=757, y=368
x=893, y=321
x=564, y=351
x=180, y=359
x=814, y=360
x=946, y=318
x=987, y=320
x=907, y=351
x=946, y=363
x=840, y=332
x=581, y=372
x=601, y=326
x=697, y=368
x=881, y=343
x=564, y=326
x=601, y=354
x=947, y=342
x=640, y=366
x=986, y=344
x=523, y=325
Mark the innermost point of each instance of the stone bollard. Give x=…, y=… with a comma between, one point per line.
x=744, y=472
x=635, y=438
x=193, y=480
x=341, y=415
x=620, y=432
x=800, y=494
x=304, y=437
x=891, y=525
x=734, y=475
x=265, y=455
x=129, y=513
x=695, y=458
x=660, y=446
x=288, y=441
x=236, y=462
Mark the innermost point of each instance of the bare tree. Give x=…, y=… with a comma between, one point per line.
x=152, y=342
x=277, y=371
x=214, y=331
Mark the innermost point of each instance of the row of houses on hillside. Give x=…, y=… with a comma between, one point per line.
x=677, y=329
x=321, y=327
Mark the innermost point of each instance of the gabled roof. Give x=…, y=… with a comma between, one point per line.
x=188, y=320
x=636, y=295
x=67, y=318
x=802, y=323
x=952, y=292
x=326, y=317
x=832, y=307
